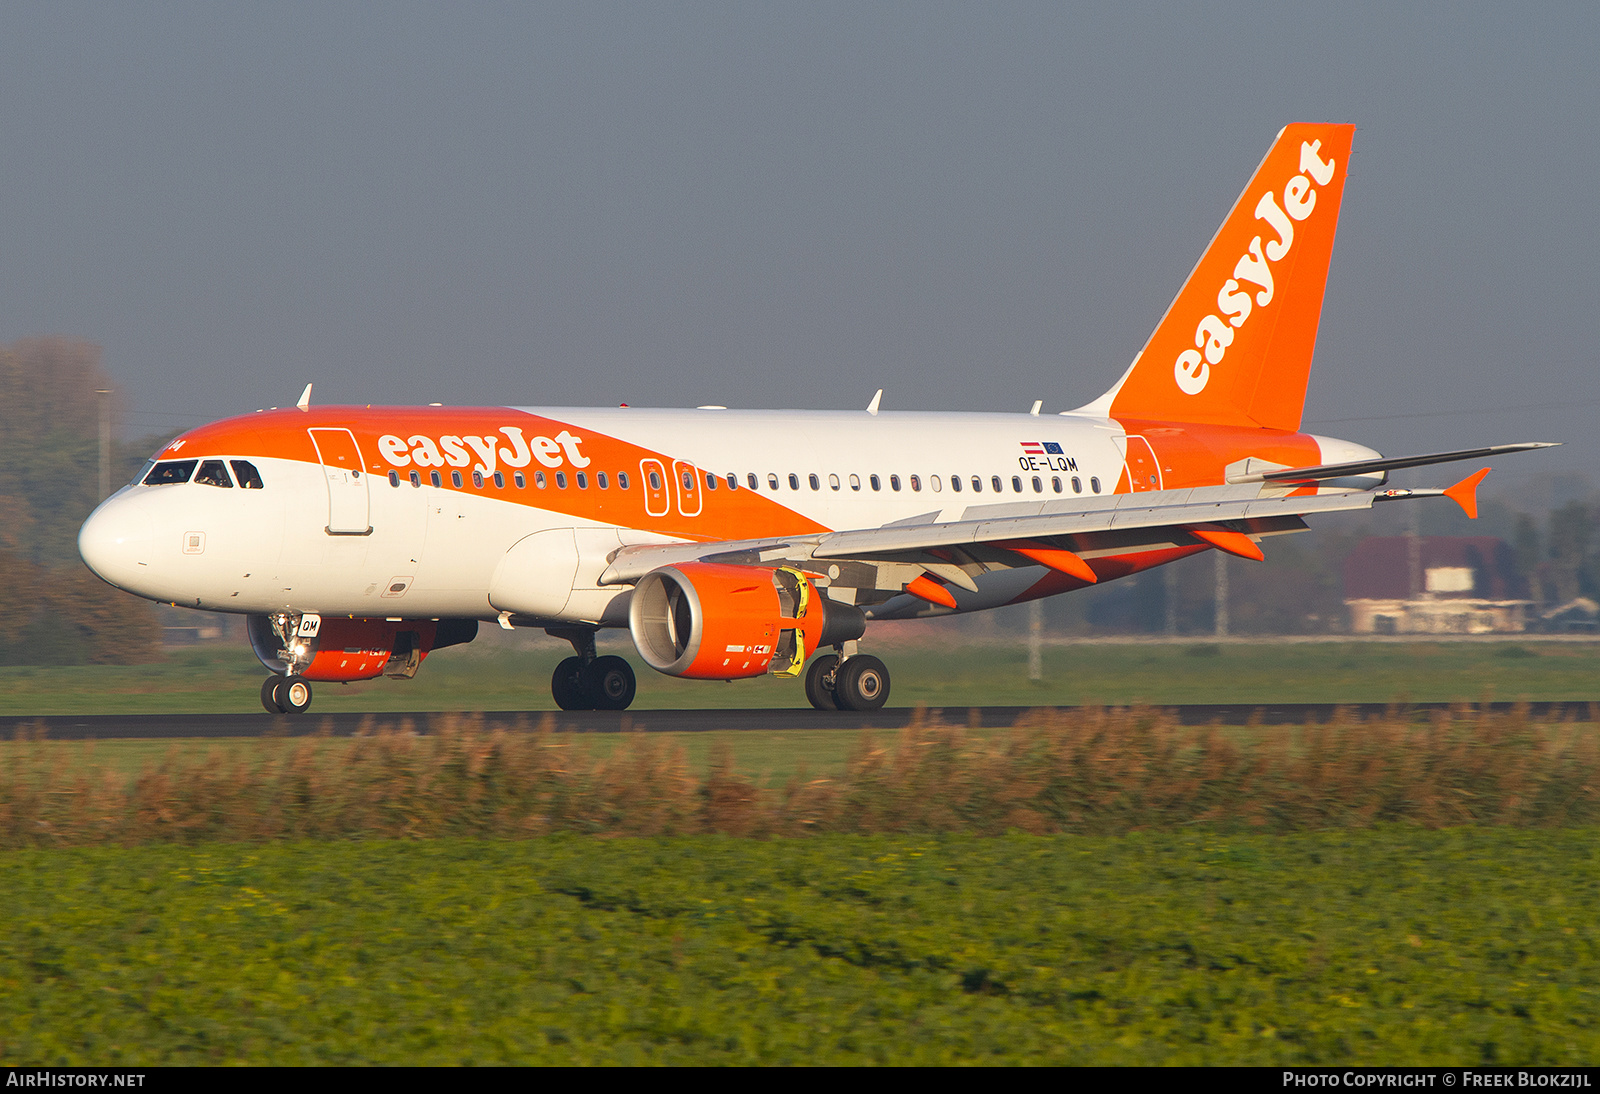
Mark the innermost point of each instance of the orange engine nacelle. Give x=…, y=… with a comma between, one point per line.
x=710, y=621
x=360, y=649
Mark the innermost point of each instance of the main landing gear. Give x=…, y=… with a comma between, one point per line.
x=858, y=682
x=588, y=681
x=286, y=694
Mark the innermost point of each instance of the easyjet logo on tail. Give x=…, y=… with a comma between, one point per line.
x=1216, y=332
x=423, y=451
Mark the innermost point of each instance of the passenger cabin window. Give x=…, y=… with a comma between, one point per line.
x=794, y=481
x=622, y=480
x=249, y=478
x=602, y=481
x=1077, y=485
x=873, y=481
x=855, y=482
x=772, y=482
x=455, y=479
x=833, y=482
x=894, y=482
x=994, y=480
x=561, y=480
x=711, y=481
x=539, y=480
x=1016, y=483
x=212, y=473
x=977, y=485
x=520, y=480
x=394, y=478
x=583, y=481
x=1055, y=483
x=933, y=481
x=416, y=478
x=816, y=483
x=955, y=483
x=433, y=477
x=655, y=481
x=733, y=481
x=1038, y=485
x=755, y=483
x=500, y=479
x=477, y=478
x=1094, y=484
x=916, y=483
x=170, y=472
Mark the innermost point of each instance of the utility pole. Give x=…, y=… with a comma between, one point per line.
x=1414, y=554
x=1170, y=576
x=1035, y=640
x=1220, y=560
x=105, y=442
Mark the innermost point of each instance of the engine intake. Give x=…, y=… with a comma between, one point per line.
x=710, y=621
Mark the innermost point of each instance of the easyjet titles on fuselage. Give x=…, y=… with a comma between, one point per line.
x=424, y=451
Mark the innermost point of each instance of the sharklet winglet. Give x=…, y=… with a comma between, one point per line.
x=1465, y=493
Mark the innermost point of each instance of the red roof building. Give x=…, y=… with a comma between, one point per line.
x=1434, y=585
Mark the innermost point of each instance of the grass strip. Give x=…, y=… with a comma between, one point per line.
x=1385, y=946
x=1088, y=771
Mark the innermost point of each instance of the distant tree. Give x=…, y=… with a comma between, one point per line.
x=1571, y=535
x=56, y=610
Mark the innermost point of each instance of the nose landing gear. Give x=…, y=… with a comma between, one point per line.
x=857, y=682
x=289, y=693
x=286, y=694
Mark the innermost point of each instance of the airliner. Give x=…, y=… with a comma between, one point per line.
x=734, y=544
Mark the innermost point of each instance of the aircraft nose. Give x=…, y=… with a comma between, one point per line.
x=116, y=542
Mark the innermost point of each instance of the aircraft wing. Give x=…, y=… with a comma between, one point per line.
x=1060, y=534
x=1108, y=524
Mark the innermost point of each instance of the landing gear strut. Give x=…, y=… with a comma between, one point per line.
x=290, y=693
x=858, y=682
x=588, y=681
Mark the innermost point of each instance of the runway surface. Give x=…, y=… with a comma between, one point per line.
x=176, y=726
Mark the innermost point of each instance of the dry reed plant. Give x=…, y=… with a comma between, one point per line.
x=1087, y=771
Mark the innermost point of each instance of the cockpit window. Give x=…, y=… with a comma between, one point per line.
x=143, y=471
x=212, y=473
x=169, y=472
x=249, y=478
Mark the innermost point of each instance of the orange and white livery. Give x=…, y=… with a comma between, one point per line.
x=740, y=543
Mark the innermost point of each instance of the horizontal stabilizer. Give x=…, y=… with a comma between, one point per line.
x=1373, y=467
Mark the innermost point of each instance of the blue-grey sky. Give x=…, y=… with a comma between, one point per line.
x=971, y=205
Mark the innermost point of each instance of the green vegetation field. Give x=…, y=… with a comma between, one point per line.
x=213, y=679
x=1389, y=946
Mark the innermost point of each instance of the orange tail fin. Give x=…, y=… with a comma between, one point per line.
x=1235, y=346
